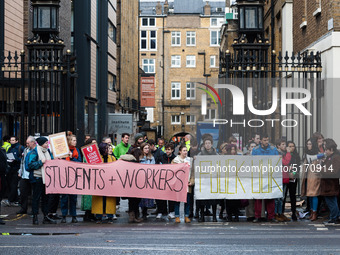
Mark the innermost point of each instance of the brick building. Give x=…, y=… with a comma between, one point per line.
x=179, y=44
x=316, y=27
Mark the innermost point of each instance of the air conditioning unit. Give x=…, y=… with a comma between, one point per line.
x=219, y=9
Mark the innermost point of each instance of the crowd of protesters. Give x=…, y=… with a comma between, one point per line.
x=21, y=177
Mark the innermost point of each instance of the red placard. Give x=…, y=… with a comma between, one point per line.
x=91, y=154
x=147, y=91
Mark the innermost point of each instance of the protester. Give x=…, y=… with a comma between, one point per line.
x=35, y=160
x=311, y=179
x=207, y=150
x=168, y=157
x=157, y=153
x=16, y=150
x=86, y=200
x=330, y=180
x=146, y=158
x=265, y=149
x=123, y=147
x=295, y=164
x=25, y=184
x=7, y=144
x=183, y=158
x=160, y=144
x=133, y=211
x=286, y=158
x=139, y=139
x=101, y=204
x=3, y=167
x=232, y=205
x=108, y=140
x=68, y=202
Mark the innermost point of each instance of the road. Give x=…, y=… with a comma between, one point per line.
x=167, y=237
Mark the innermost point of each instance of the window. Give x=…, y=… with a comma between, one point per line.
x=175, y=38
x=148, y=40
x=191, y=61
x=191, y=90
x=112, y=32
x=212, y=61
x=214, y=38
x=191, y=38
x=191, y=119
x=148, y=65
x=176, y=61
x=175, y=119
x=213, y=22
x=211, y=114
x=175, y=90
x=112, y=82
x=148, y=22
x=153, y=40
x=143, y=40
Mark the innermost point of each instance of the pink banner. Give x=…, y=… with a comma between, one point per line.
x=118, y=179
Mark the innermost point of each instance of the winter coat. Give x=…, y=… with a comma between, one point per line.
x=330, y=176
x=167, y=160
x=264, y=151
x=286, y=157
x=179, y=160
x=17, y=151
x=310, y=178
x=205, y=152
x=158, y=155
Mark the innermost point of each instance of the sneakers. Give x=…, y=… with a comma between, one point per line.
x=48, y=220
x=171, y=215
x=159, y=216
x=114, y=217
x=332, y=222
x=178, y=220
x=273, y=220
x=5, y=203
x=187, y=220
x=63, y=220
x=74, y=219
x=110, y=220
x=256, y=220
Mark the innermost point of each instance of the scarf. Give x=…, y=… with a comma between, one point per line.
x=74, y=151
x=42, y=154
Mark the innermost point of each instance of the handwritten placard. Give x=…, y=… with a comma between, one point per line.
x=59, y=146
x=118, y=179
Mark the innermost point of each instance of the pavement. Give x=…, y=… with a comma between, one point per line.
x=165, y=236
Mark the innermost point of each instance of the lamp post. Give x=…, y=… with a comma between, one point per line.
x=45, y=19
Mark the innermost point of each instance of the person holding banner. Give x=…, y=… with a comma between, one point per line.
x=34, y=161
x=105, y=205
x=183, y=158
x=206, y=150
x=69, y=202
x=265, y=149
x=146, y=158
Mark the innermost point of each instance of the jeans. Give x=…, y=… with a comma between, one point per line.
x=53, y=203
x=186, y=207
x=332, y=204
x=313, y=203
x=68, y=202
x=39, y=192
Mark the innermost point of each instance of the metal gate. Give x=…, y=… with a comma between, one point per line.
x=37, y=90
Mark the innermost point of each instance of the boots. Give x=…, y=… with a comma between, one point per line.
x=133, y=219
x=314, y=216
x=201, y=216
x=35, y=219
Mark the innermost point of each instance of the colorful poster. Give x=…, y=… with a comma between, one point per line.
x=59, y=146
x=238, y=177
x=91, y=154
x=118, y=179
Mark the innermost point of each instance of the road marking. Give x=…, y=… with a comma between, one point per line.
x=17, y=218
x=322, y=229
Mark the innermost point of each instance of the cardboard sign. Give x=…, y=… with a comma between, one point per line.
x=91, y=154
x=59, y=146
x=118, y=179
x=238, y=177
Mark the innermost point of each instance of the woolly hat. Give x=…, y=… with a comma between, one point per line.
x=137, y=136
x=41, y=140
